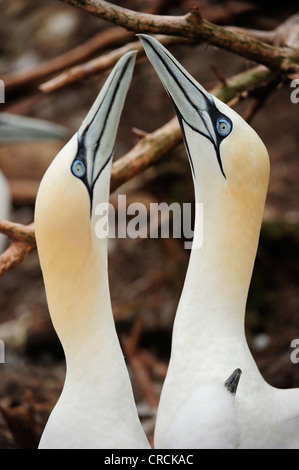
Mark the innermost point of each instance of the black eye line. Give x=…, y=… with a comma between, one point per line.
x=211, y=109
x=98, y=175
x=81, y=157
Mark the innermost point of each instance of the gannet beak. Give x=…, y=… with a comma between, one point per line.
x=195, y=107
x=232, y=382
x=96, y=136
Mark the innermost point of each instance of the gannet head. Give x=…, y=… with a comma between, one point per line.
x=225, y=153
x=79, y=177
x=73, y=259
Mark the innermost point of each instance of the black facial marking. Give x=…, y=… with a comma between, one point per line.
x=211, y=109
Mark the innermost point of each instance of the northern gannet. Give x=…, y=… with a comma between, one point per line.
x=96, y=408
x=230, y=168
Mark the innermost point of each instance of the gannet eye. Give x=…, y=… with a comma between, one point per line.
x=223, y=127
x=78, y=168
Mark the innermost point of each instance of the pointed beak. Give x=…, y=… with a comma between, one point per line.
x=191, y=100
x=232, y=382
x=195, y=107
x=97, y=134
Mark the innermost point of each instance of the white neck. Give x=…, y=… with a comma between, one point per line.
x=79, y=303
x=96, y=407
x=212, y=305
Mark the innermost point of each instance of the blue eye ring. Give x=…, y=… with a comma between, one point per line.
x=223, y=127
x=78, y=169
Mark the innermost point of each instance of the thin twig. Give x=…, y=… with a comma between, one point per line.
x=260, y=94
x=147, y=151
x=286, y=34
x=218, y=74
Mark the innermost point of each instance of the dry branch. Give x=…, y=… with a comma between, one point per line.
x=148, y=150
x=286, y=34
x=22, y=244
x=17, y=232
x=193, y=26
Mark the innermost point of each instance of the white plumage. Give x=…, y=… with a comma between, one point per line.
x=207, y=420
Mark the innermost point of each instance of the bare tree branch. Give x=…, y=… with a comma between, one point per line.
x=286, y=34
x=193, y=26
x=17, y=232
x=22, y=244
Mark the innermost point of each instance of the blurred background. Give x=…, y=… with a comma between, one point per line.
x=146, y=275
